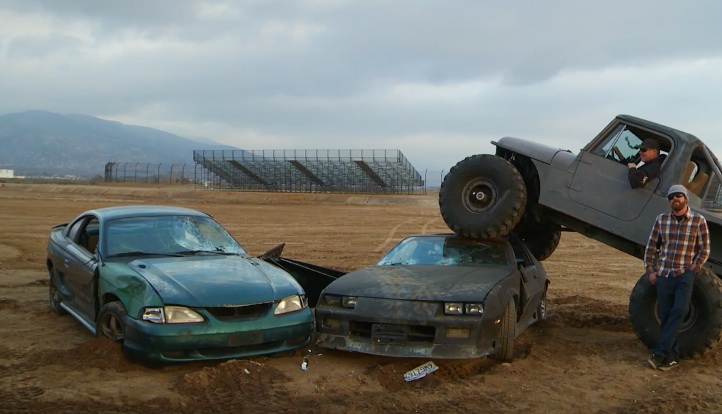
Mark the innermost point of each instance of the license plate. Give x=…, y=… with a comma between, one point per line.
x=420, y=371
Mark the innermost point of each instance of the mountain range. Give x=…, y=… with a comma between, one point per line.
x=41, y=143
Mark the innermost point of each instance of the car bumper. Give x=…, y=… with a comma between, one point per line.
x=208, y=341
x=406, y=329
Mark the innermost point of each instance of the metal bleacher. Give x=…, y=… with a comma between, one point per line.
x=342, y=171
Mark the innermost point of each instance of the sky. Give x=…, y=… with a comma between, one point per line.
x=438, y=80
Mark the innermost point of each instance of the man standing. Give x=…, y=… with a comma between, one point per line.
x=684, y=246
x=649, y=154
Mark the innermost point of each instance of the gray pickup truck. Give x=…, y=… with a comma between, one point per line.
x=535, y=191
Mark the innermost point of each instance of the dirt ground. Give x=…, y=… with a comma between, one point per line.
x=584, y=358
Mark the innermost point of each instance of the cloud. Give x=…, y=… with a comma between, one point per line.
x=437, y=80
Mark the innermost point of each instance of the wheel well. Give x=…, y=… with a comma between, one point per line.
x=109, y=297
x=530, y=175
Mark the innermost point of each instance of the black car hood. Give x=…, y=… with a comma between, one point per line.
x=437, y=283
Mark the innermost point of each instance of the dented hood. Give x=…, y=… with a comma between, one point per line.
x=210, y=281
x=434, y=283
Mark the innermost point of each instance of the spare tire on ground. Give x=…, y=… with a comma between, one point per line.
x=701, y=329
x=482, y=196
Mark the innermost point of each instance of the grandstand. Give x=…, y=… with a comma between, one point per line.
x=329, y=171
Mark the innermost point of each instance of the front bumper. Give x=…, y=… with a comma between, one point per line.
x=217, y=340
x=406, y=329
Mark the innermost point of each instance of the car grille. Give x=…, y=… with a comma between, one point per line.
x=387, y=333
x=235, y=313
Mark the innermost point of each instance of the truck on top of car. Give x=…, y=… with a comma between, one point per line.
x=535, y=191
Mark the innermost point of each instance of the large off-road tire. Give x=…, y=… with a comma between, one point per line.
x=111, y=321
x=482, y=196
x=507, y=333
x=541, y=238
x=701, y=329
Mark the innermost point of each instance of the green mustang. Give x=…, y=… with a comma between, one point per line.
x=172, y=284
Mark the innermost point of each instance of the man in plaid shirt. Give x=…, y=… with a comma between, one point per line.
x=682, y=237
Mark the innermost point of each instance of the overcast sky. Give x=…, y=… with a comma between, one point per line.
x=436, y=79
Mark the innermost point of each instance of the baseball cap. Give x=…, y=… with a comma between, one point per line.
x=677, y=188
x=650, y=143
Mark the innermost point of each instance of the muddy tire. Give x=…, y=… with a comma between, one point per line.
x=701, y=329
x=111, y=321
x=482, y=196
x=541, y=238
x=55, y=297
x=507, y=333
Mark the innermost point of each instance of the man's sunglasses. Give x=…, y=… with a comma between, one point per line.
x=675, y=195
x=645, y=149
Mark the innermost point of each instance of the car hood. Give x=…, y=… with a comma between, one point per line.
x=438, y=283
x=212, y=281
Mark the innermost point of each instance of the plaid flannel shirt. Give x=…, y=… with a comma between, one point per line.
x=684, y=245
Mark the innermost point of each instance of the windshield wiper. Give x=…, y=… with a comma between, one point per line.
x=194, y=252
x=205, y=251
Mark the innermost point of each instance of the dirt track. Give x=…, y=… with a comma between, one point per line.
x=585, y=358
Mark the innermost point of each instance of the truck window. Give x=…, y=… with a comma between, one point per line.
x=623, y=142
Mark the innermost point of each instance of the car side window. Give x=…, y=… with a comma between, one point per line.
x=74, y=230
x=89, y=235
x=522, y=258
x=697, y=174
x=84, y=232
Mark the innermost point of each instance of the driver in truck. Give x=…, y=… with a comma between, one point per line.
x=650, y=162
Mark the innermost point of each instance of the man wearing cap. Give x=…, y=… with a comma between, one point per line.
x=649, y=154
x=682, y=237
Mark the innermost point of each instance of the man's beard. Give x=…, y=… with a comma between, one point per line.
x=678, y=206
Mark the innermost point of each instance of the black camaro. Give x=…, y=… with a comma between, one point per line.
x=440, y=295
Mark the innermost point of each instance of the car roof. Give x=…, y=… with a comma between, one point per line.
x=109, y=213
x=679, y=136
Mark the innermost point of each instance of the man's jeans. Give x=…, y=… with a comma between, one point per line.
x=673, y=296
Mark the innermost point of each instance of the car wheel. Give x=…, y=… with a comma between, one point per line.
x=482, y=196
x=540, y=238
x=111, y=321
x=54, y=293
x=541, y=310
x=701, y=329
x=507, y=333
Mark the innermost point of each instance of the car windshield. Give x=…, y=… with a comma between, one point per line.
x=168, y=235
x=446, y=250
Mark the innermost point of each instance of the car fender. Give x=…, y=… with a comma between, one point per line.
x=531, y=149
x=498, y=296
x=115, y=280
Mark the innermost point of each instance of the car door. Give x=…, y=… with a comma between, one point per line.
x=532, y=280
x=79, y=265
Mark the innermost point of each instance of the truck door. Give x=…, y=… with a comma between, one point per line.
x=600, y=181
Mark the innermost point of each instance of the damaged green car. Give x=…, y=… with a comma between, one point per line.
x=171, y=284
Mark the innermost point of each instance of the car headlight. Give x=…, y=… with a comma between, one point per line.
x=349, y=302
x=453, y=308
x=289, y=304
x=171, y=314
x=459, y=308
x=473, y=309
x=331, y=300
